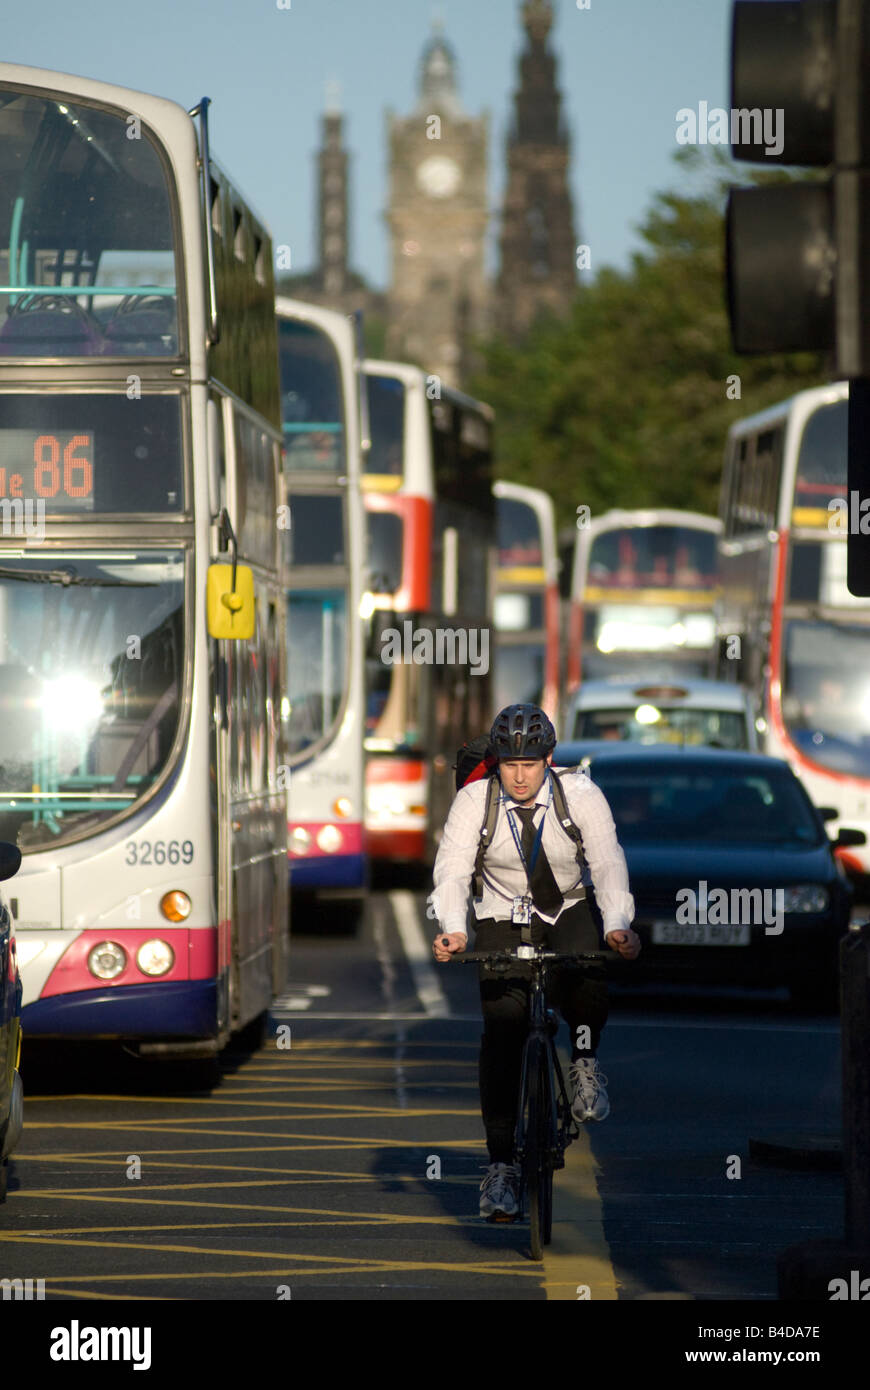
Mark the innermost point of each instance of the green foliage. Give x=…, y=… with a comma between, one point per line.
x=623, y=403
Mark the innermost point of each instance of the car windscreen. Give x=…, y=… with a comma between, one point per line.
x=673, y=805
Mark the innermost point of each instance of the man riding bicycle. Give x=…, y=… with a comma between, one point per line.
x=532, y=888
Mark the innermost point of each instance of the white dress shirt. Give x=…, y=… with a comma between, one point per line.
x=504, y=876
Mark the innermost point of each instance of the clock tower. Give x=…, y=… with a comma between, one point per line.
x=437, y=218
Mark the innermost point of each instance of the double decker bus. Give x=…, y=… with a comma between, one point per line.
x=140, y=680
x=320, y=409
x=526, y=610
x=643, y=590
x=432, y=532
x=803, y=640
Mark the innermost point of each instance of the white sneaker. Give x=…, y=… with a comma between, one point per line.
x=499, y=1192
x=589, y=1101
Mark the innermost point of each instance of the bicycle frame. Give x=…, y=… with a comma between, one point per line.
x=543, y=1027
x=540, y=1141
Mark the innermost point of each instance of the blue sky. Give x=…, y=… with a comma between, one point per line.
x=625, y=68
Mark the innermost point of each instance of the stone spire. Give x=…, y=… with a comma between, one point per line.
x=538, y=248
x=332, y=214
x=439, y=92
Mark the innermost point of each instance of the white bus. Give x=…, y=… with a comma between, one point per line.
x=643, y=590
x=140, y=742
x=803, y=639
x=527, y=622
x=320, y=410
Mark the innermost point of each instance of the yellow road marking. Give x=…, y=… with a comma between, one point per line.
x=102, y=1194
x=345, y=1262
x=298, y=1178
x=323, y=1141
x=579, y=1253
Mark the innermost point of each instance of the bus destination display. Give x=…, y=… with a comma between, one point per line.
x=57, y=469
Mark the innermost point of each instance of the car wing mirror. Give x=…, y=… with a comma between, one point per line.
x=847, y=837
x=828, y=812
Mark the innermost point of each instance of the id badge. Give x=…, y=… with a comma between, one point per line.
x=521, y=912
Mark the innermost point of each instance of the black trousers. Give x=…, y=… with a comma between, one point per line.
x=578, y=992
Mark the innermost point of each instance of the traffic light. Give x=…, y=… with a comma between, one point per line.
x=798, y=254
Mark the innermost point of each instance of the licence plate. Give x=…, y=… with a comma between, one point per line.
x=700, y=934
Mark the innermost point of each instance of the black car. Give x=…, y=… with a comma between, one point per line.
x=733, y=876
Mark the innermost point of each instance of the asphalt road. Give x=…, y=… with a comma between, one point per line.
x=342, y=1159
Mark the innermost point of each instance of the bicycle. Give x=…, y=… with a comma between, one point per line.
x=545, y=1126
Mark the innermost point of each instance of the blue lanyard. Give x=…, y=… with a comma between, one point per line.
x=533, y=859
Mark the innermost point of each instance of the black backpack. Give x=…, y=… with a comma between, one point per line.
x=476, y=760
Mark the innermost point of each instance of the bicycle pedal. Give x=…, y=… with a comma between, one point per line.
x=502, y=1218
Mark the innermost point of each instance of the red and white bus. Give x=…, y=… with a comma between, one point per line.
x=141, y=739
x=431, y=527
x=802, y=640
x=643, y=590
x=526, y=613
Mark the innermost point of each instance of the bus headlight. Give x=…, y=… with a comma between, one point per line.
x=107, y=960
x=175, y=906
x=299, y=840
x=807, y=897
x=329, y=839
x=155, y=957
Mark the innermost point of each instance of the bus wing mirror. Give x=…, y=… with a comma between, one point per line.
x=10, y=859
x=828, y=812
x=230, y=610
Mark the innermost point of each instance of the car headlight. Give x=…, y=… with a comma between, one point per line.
x=155, y=957
x=806, y=897
x=107, y=960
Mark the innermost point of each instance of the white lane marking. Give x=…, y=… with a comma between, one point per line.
x=419, y=953
x=388, y=980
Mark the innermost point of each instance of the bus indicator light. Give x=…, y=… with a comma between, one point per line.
x=175, y=907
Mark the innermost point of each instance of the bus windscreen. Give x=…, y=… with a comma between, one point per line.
x=312, y=412
x=87, y=267
x=653, y=557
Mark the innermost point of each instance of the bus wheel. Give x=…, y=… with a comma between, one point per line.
x=253, y=1036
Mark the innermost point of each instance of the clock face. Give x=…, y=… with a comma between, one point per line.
x=439, y=176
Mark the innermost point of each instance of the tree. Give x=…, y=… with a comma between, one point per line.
x=625, y=402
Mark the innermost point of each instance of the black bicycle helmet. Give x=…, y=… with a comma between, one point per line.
x=522, y=731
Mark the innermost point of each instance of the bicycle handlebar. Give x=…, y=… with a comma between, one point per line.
x=536, y=954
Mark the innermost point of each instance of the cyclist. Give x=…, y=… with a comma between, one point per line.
x=531, y=880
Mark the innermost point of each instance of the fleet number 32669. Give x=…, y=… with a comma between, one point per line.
x=147, y=852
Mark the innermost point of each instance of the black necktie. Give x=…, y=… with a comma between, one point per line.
x=542, y=885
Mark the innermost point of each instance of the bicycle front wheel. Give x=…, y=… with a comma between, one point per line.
x=538, y=1171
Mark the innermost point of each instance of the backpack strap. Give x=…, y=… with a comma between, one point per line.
x=493, y=793
x=493, y=796
x=570, y=829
